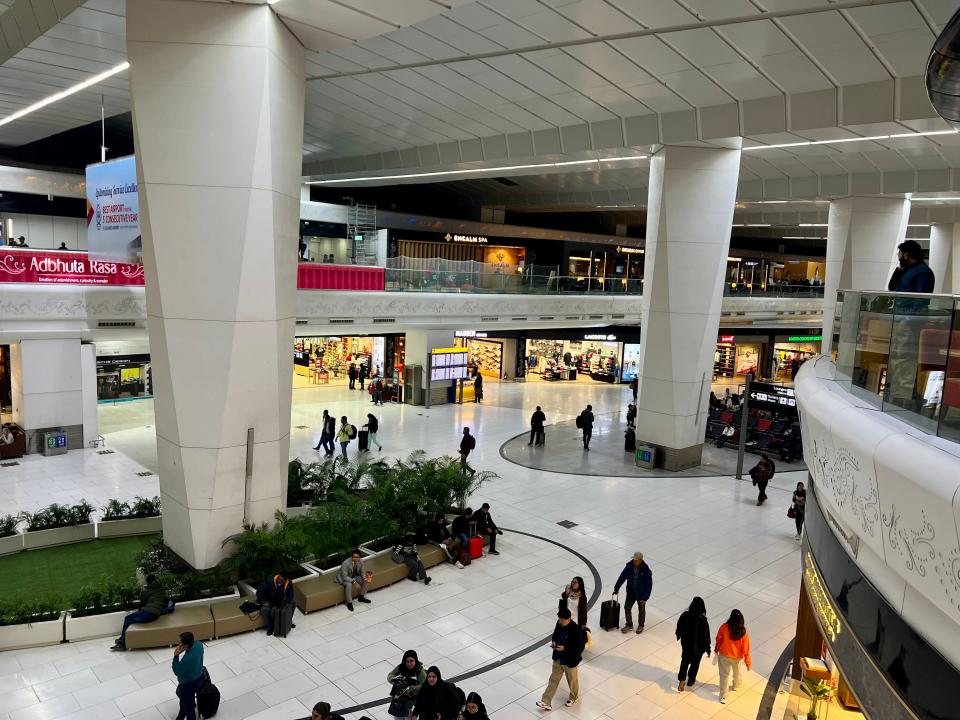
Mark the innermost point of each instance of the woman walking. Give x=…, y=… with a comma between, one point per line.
x=405, y=680
x=733, y=645
x=373, y=426
x=576, y=596
x=437, y=700
x=761, y=474
x=693, y=632
x=799, y=507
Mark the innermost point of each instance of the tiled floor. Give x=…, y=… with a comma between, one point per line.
x=701, y=535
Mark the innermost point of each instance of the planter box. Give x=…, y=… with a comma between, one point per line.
x=48, y=632
x=246, y=586
x=125, y=528
x=94, y=626
x=59, y=536
x=206, y=601
x=12, y=544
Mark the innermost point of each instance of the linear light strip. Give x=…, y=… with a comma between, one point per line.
x=848, y=140
x=474, y=171
x=49, y=100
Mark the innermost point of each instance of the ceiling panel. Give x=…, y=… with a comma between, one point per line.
x=828, y=37
x=900, y=35
x=654, y=13
x=598, y=17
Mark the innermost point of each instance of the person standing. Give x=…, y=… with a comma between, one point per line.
x=362, y=375
x=732, y=646
x=576, y=594
x=373, y=425
x=405, y=680
x=477, y=385
x=586, y=426
x=377, y=390
x=761, y=474
x=536, y=426
x=912, y=273
x=344, y=436
x=639, y=581
x=634, y=386
x=467, y=444
x=352, y=374
x=693, y=632
x=351, y=572
x=567, y=644
x=189, y=672
x=328, y=428
x=485, y=525
x=799, y=507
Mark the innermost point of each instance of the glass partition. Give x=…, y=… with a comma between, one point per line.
x=901, y=353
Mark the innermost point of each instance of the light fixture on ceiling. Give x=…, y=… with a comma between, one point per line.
x=50, y=99
x=803, y=237
x=778, y=202
x=918, y=225
x=934, y=199
x=813, y=225
x=475, y=171
x=750, y=225
x=804, y=143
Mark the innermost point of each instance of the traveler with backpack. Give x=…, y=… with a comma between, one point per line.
x=585, y=423
x=188, y=667
x=567, y=644
x=372, y=426
x=276, y=593
x=438, y=699
x=405, y=680
x=346, y=433
x=761, y=474
x=467, y=445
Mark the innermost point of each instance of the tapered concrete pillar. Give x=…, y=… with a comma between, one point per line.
x=944, y=244
x=862, y=238
x=218, y=126
x=690, y=211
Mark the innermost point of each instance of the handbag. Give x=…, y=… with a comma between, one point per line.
x=587, y=639
x=398, y=707
x=792, y=512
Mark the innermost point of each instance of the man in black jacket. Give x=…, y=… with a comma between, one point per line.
x=586, y=425
x=567, y=644
x=328, y=431
x=536, y=426
x=486, y=526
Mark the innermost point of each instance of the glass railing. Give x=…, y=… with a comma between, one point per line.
x=772, y=290
x=405, y=280
x=900, y=352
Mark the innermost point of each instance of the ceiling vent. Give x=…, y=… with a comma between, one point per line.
x=546, y=317
x=341, y=321
x=384, y=321
x=116, y=323
x=489, y=319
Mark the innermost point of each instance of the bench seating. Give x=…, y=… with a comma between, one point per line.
x=323, y=591
x=165, y=630
x=228, y=619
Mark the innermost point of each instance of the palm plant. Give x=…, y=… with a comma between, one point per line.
x=817, y=690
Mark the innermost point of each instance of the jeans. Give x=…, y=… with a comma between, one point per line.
x=187, y=692
x=415, y=568
x=343, y=448
x=464, y=541
x=372, y=440
x=377, y=398
x=140, y=616
x=587, y=435
x=762, y=490
x=553, y=683
x=326, y=442
x=728, y=665
x=641, y=610
x=689, y=666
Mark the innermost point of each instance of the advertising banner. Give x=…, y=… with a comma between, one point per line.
x=113, y=212
x=68, y=268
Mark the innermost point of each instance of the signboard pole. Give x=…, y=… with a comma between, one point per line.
x=744, y=416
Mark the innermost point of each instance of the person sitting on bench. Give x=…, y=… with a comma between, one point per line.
x=274, y=592
x=351, y=573
x=406, y=552
x=152, y=601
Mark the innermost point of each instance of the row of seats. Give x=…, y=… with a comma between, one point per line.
x=765, y=432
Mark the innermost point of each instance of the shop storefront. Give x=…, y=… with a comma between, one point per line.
x=609, y=355
x=758, y=274
x=790, y=352
x=485, y=354
x=121, y=377
x=772, y=357
x=326, y=360
x=605, y=269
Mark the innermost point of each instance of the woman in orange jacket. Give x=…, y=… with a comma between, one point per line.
x=733, y=645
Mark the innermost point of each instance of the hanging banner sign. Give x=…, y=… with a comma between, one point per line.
x=113, y=212
x=68, y=268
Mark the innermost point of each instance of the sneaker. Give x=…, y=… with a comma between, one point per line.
x=797, y=537
x=364, y=599
x=459, y=565
x=681, y=686
x=723, y=700
x=350, y=607
x=626, y=628
x=427, y=580
x=570, y=703
x=544, y=706
x=118, y=647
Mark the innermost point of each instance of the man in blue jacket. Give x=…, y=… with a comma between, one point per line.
x=913, y=274
x=639, y=580
x=909, y=317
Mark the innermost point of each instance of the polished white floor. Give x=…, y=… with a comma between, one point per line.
x=701, y=536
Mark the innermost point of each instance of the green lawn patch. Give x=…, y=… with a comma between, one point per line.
x=61, y=571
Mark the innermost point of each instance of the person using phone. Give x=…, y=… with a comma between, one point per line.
x=567, y=644
x=188, y=667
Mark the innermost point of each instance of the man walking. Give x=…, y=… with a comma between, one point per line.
x=639, y=580
x=536, y=426
x=761, y=473
x=328, y=429
x=567, y=644
x=467, y=444
x=585, y=423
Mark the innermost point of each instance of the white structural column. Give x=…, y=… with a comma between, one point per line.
x=862, y=238
x=944, y=245
x=218, y=126
x=690, y=211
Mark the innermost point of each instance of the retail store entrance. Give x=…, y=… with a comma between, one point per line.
x=326, y=360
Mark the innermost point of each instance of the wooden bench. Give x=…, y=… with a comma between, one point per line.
x=228, y=619
x=165, y=630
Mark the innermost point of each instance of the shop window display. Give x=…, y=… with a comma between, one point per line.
x=593, y=360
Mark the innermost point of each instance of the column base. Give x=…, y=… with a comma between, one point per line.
x=675, y=459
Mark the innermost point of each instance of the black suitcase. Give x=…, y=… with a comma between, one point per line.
x=609, y=615
x=363, y=440
x=630, y=440
x=282, y=619
x=208, y=697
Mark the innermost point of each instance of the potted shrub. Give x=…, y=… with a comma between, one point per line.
x=11, y=540
x=58, y=525
x=260, y=551
x=120, y=519
x=817, y=691
x=31, y=623
x=98, y=610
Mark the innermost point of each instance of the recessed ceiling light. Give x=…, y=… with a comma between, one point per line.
x=803, y=237
x=937, y=199
x=475, y=171
x=813, y=225
x=65, y=93
x=848, y=140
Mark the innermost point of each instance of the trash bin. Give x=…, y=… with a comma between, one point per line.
x=54, y=442
x=646, y=456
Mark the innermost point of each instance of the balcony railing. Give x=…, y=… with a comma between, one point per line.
x=900, y=352
x=772, y=290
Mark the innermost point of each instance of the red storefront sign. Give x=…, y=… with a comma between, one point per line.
x=64, y=268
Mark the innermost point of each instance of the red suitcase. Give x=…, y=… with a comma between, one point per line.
x=476, y=547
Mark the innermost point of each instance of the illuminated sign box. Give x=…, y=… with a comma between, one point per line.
x=804, y=338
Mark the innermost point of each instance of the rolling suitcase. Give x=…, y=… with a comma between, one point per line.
x=282, y=619
x=208, y=697
x=609, y=615
x=363, y=440
x=630, y=440
x=476, y=547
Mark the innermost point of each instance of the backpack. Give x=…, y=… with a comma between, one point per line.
x=352, y=431
x=473, y=443
x=580, y=421
x=461, y=696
